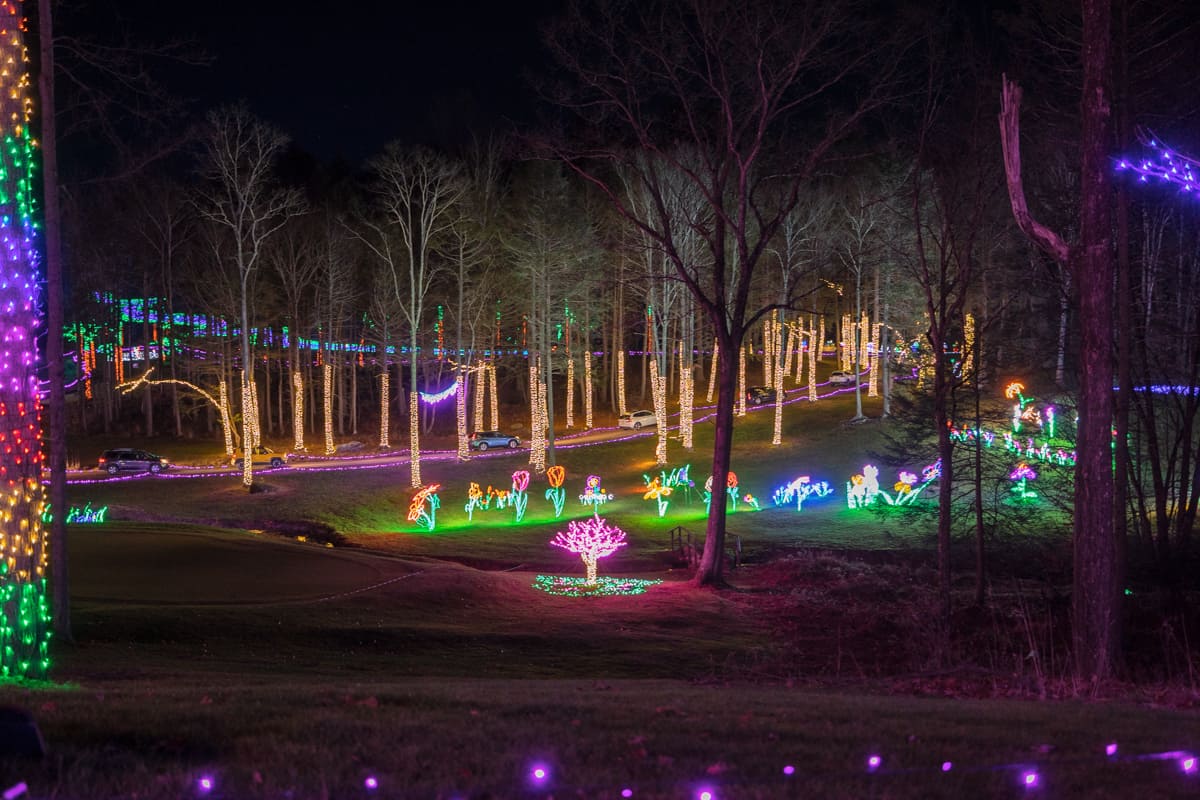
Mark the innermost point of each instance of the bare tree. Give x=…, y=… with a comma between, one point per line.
x=760, y=94
x=241, y=195
x=416, y=194
x=1096, y=592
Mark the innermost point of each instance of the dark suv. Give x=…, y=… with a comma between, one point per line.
x=126, y=459
x=758, y=395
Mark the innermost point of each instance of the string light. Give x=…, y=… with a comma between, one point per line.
x=740, y=406
x=687, y=399
x=226, y=416
x=777, y=342
x=968, y=366
x=1164, y=165
x=712, y=373
x=480, y=373
x=327, y=400
x=814, y=352
x=873, y=353
x=414, y=441
x=862, y=490
x=570, y=392
x=658, y=390
x=384, y=409
x=24, y=609
x=255, y=425
x=789, y=348
x=1022, y=475
x=433, y=398
x=587, y=389
x=539, y=417
x=222, y=407
x=247, y=433
x=602, y=587
x=298, y=411
x=495, y=406
x=592, y=538
x=464, y=450
x=621, y=383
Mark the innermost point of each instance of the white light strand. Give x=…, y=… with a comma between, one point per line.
x=658, y=389
x=298, y=412
x=570, y=393
x=873, y=361
x=621, y=383
x=687, y=393
x=460, y=407
x=741, y=382
x=537, y=412
x=255, y=424
x=587, y=389
x=768, y=335
x=495, y=406
x=844, y=347
x=327, y=401
x=777, y=341
x=821, y=338
x=247, y=434
x=712, y=373
x=480, y=384
x=384, y=403
x=226, y=416
x=414, y=440
x=814, y=351
x=969, y=348
x=789, y=350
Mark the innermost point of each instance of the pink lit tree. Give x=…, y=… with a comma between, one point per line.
x=592, y=538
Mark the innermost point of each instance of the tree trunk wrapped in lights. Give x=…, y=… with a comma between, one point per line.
x=658, y=389
x=385, y=402
x=460, y=408
x=741, y=382
x=495, y=402
x=327, y=376
x=24, y=607
x=621, y=383
x=480, y=372
x=570, y=393
x=414, y=441
x=587, y=389
x=712, y=374
x=814, y=352
x=298, y=411
x=247, y=432
x=226, y=417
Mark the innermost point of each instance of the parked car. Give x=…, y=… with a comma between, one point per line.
x=637, y=420
x=839, y=378
x=128, y=459
x=758, y=395
x=485, y=440
x=261, y=457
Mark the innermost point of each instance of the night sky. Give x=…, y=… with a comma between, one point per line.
x=344, y=78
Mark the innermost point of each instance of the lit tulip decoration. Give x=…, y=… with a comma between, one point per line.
x=594, y=494
x=476, y=499
x=518, y=498
x=556, y=493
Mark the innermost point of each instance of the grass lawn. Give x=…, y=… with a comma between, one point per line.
x=208, y=647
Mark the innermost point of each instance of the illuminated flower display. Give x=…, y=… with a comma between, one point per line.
x=1022, y=475
x=517, y=498
x=800, y=490
x=594, y=494
x=476, y=499
x=423, y=508
x=556, y=494
x=655, y=490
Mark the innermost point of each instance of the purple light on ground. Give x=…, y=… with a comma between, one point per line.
x=1188, y=765
x=706, y=794
x=627, y=793
x=947, y=766
x=1030, y=779
x=1110, y=750
x=539, y=773
x=205, y=784
x=789, y=770
x=371, y=783
x=873, y=763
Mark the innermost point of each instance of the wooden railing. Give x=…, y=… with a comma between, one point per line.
x=689, y=546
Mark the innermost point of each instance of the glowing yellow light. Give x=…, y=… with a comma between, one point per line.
x=384, y=403
x=247, y=432
x=480, y=373
x=222, y=405
x=298, y=412
x=777, y=341
x=587, y=389
x=538, y=416
x=686, y=401
x=873, y=361
x=712, y=373
x=969, y=347
x=255, y=425
x=621, y=383
x=460, y=407
x=570, y=392
x=327, y=370
x=414, y=441
x=814, y=351
x=789, y=350
x=741, y=382
x=658, y=390
x=495, y=409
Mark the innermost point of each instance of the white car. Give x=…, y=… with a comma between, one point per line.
x=637, y=420
x=840, y=378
